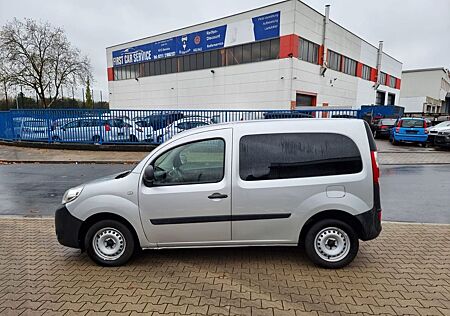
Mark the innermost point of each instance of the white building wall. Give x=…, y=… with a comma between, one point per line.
x=249, y=86
x=413, y=104
x=337, y=88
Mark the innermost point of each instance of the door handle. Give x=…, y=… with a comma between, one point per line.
x=217, y=196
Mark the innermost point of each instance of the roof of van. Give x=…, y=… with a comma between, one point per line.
x=280, y=122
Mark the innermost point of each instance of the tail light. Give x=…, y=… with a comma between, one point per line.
x=397, y=129
x=383, y=126
x=425, y=124
x=379, y=215
x=375, y=167
x=107, y=127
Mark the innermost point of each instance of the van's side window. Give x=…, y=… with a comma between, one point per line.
x=297, y=155
x=192, y=163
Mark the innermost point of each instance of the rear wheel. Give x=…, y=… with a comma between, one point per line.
x=394, y=142
x=331, y=244
x=109, y=243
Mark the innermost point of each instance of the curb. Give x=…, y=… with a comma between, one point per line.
x=73, y=146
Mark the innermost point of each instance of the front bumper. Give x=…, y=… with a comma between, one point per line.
x=67, y=228
x=441, y=141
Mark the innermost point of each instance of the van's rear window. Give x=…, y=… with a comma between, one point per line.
x=297, y=155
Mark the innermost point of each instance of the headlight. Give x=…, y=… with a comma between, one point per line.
x=71, y=194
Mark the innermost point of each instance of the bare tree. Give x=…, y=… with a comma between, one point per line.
x=39, y=57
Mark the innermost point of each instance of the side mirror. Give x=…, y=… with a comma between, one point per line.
x=149, y=176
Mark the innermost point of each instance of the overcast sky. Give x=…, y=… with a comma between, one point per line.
x=416, y=32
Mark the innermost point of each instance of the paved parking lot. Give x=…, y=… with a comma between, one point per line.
x=405, y=271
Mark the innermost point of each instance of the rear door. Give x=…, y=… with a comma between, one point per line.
x=284, y=178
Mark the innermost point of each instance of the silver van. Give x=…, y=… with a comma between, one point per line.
x=307, y=182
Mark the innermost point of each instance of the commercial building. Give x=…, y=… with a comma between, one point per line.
x=281, y=56
x=426, y=91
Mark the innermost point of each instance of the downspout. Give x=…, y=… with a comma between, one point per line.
x=379, y=57
x=326, y=22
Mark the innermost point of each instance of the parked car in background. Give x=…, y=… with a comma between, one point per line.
x=181, y=125
x=436, y=129
x=382, y=128
x=94, y=130
x=442, y=139
x=35, y=129
x=413, y=130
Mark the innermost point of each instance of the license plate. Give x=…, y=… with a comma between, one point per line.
x=411, y=132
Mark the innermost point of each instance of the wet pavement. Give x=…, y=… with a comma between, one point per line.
x=409, y=193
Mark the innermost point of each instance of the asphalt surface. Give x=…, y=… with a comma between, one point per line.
x=408, y=193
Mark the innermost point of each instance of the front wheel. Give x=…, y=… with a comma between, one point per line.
x=331, y=244
x=109, y=243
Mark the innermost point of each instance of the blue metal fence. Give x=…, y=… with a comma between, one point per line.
x=132, y=126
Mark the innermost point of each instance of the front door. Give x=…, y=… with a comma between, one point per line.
x=189, y=202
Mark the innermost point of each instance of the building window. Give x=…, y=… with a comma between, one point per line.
x=308, y=51
x=365, y=72
x=297, y=155
x=392, y=81
x=334, y=60
x=305, y=100
x=349, y=66
x=391, y=99
x=382, y=78
x=381, y=95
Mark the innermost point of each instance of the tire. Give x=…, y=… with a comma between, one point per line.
x=394, y=142
x=96, y=139
x=115, y=236
x=331, y=230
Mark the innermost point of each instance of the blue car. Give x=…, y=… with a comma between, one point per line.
x=412, y=130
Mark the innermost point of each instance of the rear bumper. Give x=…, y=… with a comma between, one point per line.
x=371, y=220
x=67, y=228
x=410, y=138
x=370, y=223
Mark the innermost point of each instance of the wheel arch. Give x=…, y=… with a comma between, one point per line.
x=104, y=216
x=330, y=214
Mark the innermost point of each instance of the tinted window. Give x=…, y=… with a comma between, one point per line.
x=284, y=156
x=274, y=48
x=193, y=163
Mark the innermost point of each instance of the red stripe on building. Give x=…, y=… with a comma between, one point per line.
x=320, y=59
x=373, y=74
x=289, y=46
x=110, y=74
x=359, y=67
x=397, y=83
x=388, y=80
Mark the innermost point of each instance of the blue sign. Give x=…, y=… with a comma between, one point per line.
x=264, y=27
x=201, y=41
